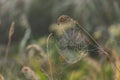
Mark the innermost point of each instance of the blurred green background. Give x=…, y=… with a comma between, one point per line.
x=33, y=19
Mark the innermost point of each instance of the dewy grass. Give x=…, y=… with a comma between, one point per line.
x=52, y=67
x=67, y=34
x=11, y=32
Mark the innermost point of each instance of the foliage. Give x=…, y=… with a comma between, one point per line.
x=40, y=56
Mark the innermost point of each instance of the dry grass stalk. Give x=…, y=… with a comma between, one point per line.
x=49, y=60
x=116, y=62
x=37, y=48
x=44, y=65
x=1, y=77
x=11, y=32
x=117, y=72
x=29, y=73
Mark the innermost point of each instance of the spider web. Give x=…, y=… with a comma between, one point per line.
x=73, y=45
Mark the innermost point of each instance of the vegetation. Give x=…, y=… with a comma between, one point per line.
x=40, y=46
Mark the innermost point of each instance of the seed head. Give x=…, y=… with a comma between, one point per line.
x=64, y=19
x=29, y=73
